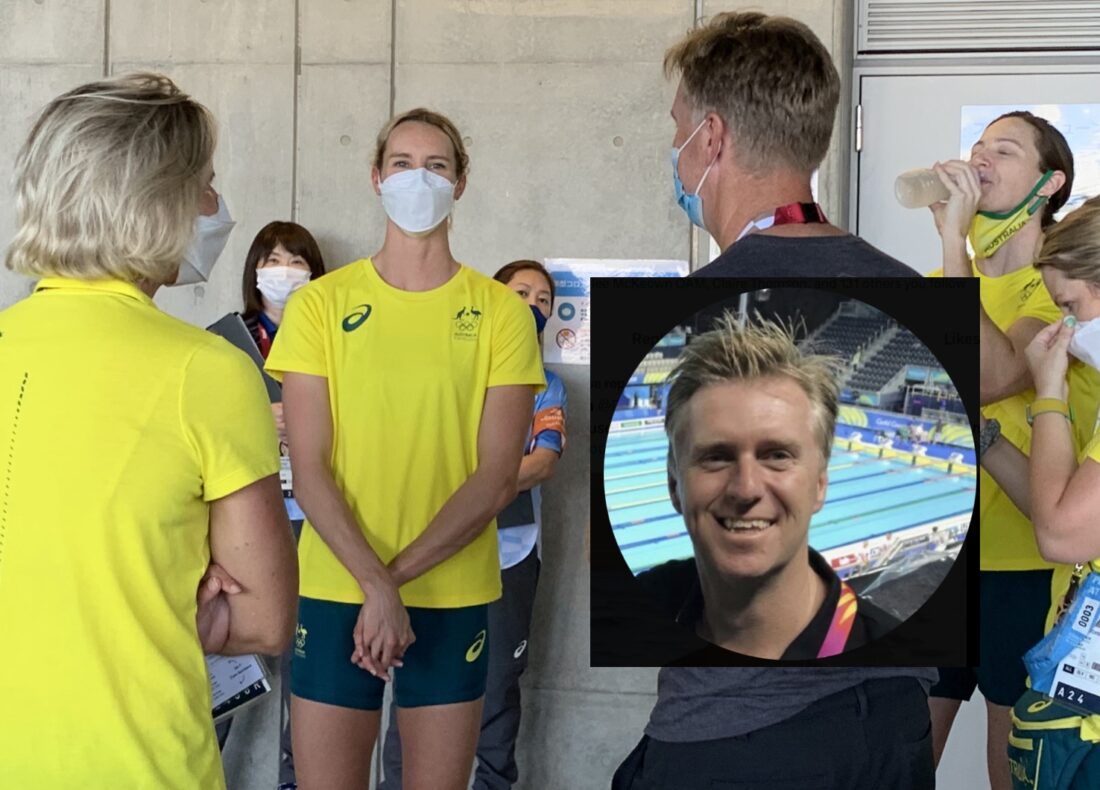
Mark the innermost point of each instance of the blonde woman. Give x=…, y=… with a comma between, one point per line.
x=137, y=451
x=1058, y=485
x=408, y=384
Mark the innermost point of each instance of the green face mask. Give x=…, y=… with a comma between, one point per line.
x=990, y=230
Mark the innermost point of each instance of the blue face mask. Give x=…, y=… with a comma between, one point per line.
x=691, y=204
x=540, y=319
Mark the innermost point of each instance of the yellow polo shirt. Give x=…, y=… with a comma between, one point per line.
x=118, y=425
x=1008, y=538
x=407, y=376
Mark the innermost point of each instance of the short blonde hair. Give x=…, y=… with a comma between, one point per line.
x=770, y=78
x=422, y=115
x=1072, y=246
x=109, y=180
x=758, y=350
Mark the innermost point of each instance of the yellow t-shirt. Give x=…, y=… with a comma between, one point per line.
x=120, y=425
x=407, y=376
x=1008, y=538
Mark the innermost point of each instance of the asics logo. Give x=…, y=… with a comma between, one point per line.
x=474, y=650
x=356, y=317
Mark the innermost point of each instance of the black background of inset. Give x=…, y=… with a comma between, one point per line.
x=628, y=317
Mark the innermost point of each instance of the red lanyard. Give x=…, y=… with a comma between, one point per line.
x=841, y=625
x=265, y=340
x=790, y=214
x=798, y=214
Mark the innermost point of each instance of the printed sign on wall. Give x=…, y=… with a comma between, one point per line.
x=567, y=334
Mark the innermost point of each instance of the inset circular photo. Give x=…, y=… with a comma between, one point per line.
x=790, y=474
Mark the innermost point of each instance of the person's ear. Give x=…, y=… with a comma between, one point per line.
x=715, y=132
x=1056, y=182
x=673, y=485
x=822, y=485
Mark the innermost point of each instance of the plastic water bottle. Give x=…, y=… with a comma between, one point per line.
x=919, y=188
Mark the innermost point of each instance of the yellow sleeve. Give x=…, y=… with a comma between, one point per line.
x=299, y=346
x=1092, y=449
x=936, y=273
x=1084, y=397
x=226, y=418
x=515, y=347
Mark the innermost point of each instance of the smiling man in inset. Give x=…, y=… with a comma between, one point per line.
x=750, y=421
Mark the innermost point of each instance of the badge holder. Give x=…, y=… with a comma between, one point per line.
x=236, y=682
x=1065, y=664
x=286, y=476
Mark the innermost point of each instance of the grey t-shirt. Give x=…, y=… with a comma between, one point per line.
x=758, y=255
x=704, y=703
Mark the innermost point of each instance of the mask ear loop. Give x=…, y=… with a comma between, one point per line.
x=1041, y=199
x=1032, y=207
x=706, y=173
x=691, y=136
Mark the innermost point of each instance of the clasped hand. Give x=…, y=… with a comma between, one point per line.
x=382, y=632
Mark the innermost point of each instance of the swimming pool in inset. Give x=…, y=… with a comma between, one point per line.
x=868, y=498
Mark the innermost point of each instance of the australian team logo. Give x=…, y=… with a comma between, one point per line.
x=300, y=641
x=355, y=319
x=467, y=322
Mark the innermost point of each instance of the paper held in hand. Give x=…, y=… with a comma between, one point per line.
x=235, y=682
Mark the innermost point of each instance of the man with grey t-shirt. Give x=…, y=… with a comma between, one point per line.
x=754, y=112
x=750, y=420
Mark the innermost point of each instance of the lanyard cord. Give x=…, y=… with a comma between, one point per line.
x=1079, y=573
x=790, y=214
x=841, y=625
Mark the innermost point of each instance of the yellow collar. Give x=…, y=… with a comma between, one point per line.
x=103, y=286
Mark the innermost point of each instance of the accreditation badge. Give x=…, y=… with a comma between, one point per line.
x=286, y=477
x=1065, y=664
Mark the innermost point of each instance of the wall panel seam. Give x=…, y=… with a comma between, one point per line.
x=294, y=202
x=393, y=56
x=106, y=37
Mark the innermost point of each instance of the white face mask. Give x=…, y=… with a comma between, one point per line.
x=207, y=243
x=1085, y=343
x=277, y=283
x=417, y=200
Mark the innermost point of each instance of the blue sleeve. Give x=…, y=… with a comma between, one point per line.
x=548, y=425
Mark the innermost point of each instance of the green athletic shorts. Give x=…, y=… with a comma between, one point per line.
x=447, y=663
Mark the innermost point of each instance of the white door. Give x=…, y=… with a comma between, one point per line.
x=914, y=120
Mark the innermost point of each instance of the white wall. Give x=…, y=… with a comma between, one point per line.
x=565, y=112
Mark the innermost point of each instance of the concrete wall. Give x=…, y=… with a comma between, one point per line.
x=565, y=112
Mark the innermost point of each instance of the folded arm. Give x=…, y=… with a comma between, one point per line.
x=250, y=539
